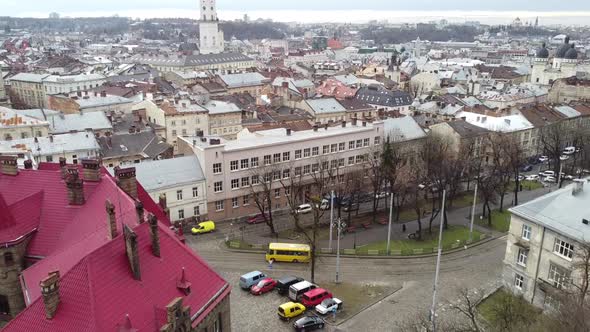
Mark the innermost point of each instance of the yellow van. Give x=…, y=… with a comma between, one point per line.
x=290, y=309
x=204, y=227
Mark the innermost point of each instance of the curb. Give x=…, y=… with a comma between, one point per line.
x=476, y=244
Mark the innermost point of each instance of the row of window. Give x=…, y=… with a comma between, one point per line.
x=183, y=122
x=276, y=158
x=562, y=248
x=196, y=212
x=180, y=193
x=557, y=276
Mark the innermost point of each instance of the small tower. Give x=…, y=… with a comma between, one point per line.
x=210, y=36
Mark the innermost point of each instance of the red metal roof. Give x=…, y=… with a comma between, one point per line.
x=100, y=294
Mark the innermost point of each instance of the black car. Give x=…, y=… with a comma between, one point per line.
x=285, y=282
x=309, y=323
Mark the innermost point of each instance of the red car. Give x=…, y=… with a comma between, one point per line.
x=257, y=218
x=263, y=286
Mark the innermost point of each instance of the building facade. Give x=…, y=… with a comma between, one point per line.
x=235, y=169
x=16, y=126
x=545, y=242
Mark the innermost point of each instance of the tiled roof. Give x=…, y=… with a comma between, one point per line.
x=99, y=292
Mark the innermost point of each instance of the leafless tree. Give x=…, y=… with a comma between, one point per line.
x=376, y=173
x=466, y=305
x=261, y=189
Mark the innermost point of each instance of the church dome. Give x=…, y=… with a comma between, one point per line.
x=563, y=48
x=543, y=52
x=571, y=54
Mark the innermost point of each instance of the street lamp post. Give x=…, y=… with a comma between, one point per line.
x=338, y=253
x=331, y=217
x=472, y=214
x=433, y=308
x=389, y=224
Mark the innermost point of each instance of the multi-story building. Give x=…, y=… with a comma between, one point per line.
x=222, y=63
x=225, y=119
x=253, y=83
x=71, y=103
x=235, y=169
x=72, y=146
x=569, y=89
x=180, y=181
x=545, y=244
x=385, y=100
x=3, y=95
x=210, y=35
x=64, y=84
x=462, y=136
x=28, y=91
x=17, y=126
x=324, y=110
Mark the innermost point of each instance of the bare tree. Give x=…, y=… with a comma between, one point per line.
x=466, y=305
x=261, y=189
x=375, y=171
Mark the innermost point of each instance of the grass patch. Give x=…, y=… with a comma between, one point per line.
x=356, y=297
x=460, y=201
x=454, y=236
x=500, y=221
x=501, y=303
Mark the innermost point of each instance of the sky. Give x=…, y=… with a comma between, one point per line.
x=569, y=11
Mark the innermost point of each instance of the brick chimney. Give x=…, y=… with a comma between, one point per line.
x=132, y=253
x=91, y=170
x=155, y=237
x=8, y=165
x=62, y=167
x=139, y=211
x=126, y=180
x=28, y=164
x=111, y=219
x=75, y=186
x=50, y=292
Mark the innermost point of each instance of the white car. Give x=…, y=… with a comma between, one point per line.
x=543, y=159
x=328, y=305
x=550, y=179
x=564, y=158
x=303, y=209
x=569, y=150
x=532, y=178
x=548, y=173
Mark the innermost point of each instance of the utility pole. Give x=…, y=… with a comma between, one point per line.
x=433, y=308
x=559, y=175
x=338, y=253
x=331, y=217
x=473, y=214
x=389, y=225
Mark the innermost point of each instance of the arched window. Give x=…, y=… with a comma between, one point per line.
x=8, y=259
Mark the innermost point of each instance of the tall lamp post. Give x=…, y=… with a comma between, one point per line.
x=389, y=224
x=331, y=217
x=338, y=252
x=433, y=308
x=472, y=214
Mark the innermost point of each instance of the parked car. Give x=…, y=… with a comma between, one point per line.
x=250, y=279
x=527, y=168
x=532, y=178
x=325, y=204
x=521, y=178
x=285, y=282
x=381, y=195
x=263, y=286
x=568, y=177
x=564, y=157
x=314, y=297
x=257, y=218
x=328, y=305
x=303, y=209
x=309, y=323
x=297, y=290
x=351, y=207
x=203, y=227
x=543, y=159
x=569, y=150
x=550, y=179
x=289, y=310
x=548, y=173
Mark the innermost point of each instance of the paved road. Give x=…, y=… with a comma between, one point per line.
x=477, y=267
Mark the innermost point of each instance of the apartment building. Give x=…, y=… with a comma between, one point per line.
x=55, y=84
x=235, y=169
x=14, y=125
x=253, y=83
x=225, y=119
x=28, y=91
x=544, y=243
x=180, y=181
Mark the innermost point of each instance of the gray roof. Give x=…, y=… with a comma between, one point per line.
x=243, y=79
x=402, y=129
x=191, y=60
x=29, y=77
x=221, y=107
x=560, y=211
x=70, y=142
x=145, y=143
x=79, y=122
x=99, y=101
x=39, y=113
x=466, y=129
x=568, y=111
x=160, y=174
x=374, y=95
x=325, y=106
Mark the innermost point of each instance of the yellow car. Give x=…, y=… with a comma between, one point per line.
x=290, y=309
x=204, y=227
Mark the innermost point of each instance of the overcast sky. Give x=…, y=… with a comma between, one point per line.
x=229, y=9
